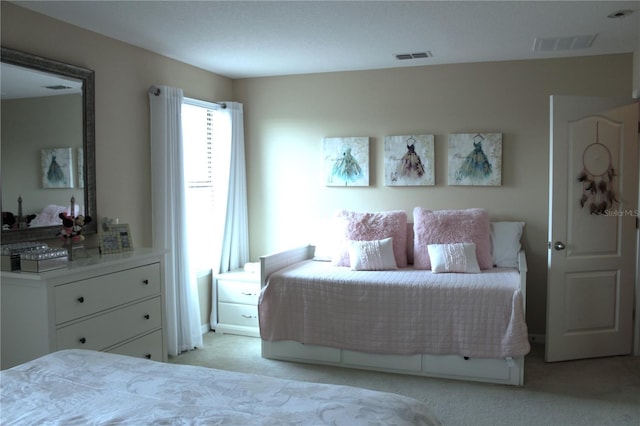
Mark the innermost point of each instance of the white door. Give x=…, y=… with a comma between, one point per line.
x=593, y=201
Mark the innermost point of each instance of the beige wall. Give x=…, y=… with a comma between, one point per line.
x=123, y=76
x=286, y=119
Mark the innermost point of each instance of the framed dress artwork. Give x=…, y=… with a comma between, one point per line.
x=475, y=159
x=56, y=166
x=409, y=160
x=346, y=161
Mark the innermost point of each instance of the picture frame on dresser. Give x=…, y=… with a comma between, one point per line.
x=122, y=229
x=109, y=242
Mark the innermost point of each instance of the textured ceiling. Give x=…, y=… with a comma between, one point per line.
x=265, y=38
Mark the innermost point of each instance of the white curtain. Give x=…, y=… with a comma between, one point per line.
x=169, y=230
x=231, y=220
x=235, y=244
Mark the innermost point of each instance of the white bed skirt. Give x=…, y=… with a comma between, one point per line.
x=506, y=371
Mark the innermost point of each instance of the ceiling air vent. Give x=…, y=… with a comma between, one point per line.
x=563, y=43
x=58, y=87
x=419, y=55
x=619, y=14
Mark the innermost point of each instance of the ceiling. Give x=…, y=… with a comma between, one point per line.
x=18, y=82
x=241, y=39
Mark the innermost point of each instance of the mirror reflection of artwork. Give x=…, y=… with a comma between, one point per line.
x=57, y=168
x=409, y=160
x=475, y=159
x=80, y=161
x=346, y=161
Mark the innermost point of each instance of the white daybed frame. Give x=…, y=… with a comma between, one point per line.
x=508, y=371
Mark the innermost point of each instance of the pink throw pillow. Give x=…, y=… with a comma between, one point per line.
x=451, y=226
x=354, y=226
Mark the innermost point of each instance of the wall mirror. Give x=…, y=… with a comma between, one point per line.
x=48, y=145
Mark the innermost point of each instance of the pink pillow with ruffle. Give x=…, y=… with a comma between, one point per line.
x=451, y=226
x=354, y=226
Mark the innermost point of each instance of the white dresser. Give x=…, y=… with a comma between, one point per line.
x=238, y=293
x=111, y=303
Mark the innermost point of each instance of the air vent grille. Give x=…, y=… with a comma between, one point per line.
x=563, y=43
x=58, y=87
x=418, y=55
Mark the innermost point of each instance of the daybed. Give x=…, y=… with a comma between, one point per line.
x=80, y=387
x=434, y=312
x=50, y=215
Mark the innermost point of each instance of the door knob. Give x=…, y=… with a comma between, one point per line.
x=559, y=245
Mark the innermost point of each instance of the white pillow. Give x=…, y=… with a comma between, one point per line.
x=376, y=255
x=505, y=243
x=322, y=253
x=324, y=239
x=454, y=257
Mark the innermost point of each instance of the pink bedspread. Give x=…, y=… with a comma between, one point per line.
x=396, y=312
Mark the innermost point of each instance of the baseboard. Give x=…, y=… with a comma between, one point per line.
x=205, y=328
x=538, y=339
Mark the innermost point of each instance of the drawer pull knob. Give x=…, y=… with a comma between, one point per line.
x=145, y=282
x=83, y=340
x=81, y=299
x=147, y=316
x=148, y=356
x=248, y=294
x=247, y=316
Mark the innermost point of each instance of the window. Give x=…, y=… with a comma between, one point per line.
x=199, y=169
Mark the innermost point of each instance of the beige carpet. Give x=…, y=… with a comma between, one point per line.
x=587, y=393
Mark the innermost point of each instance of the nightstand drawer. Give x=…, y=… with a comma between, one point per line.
x=235, y=314
x=238, y=292
x=102, y=331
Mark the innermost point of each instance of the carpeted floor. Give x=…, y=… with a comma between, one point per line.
x=593, y=392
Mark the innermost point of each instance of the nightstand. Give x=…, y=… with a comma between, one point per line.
x=238, y=293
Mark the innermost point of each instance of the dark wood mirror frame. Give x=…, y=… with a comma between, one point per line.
x=87, y=77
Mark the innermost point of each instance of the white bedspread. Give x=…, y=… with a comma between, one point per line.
x=78, y=387
x=396, y=312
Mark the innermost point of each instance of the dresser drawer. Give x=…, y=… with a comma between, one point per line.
x=149, y=347
x=80, y=298
x=106, y=330
x=235, y=314
x=238, y=292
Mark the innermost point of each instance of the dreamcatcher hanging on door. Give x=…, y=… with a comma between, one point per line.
x=598, y=193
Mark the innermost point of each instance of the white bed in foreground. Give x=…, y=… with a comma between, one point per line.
x=79, y=387
x=497, y=369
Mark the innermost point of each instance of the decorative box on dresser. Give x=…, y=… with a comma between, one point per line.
x=112, y=303
x=238, y=293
